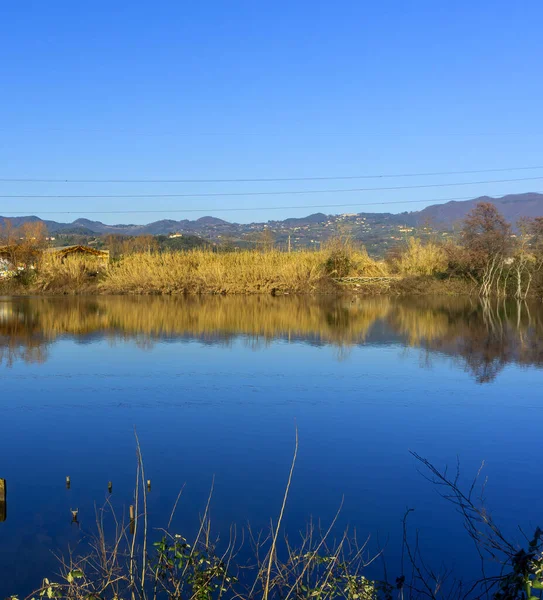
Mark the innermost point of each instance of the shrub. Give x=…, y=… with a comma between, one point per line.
x=463, y=262
x=421, y=259
x=339, y=257
x=344, y=258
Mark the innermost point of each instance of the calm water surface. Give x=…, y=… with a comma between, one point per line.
x=216, y=387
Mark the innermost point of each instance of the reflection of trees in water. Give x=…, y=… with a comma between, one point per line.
x=504, y=332
x=22, y=350
x=21, y=337
x=483, y=336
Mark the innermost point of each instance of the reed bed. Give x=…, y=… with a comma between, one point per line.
x=249, y=272
x=67, y=274
x=421, y=259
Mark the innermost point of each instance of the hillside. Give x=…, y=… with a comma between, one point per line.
x=512, y=208
x=377, y=230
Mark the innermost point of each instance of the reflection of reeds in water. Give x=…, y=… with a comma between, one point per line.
x=33, y=324
x=418, y=326
x=485, y=337
x=326, y=319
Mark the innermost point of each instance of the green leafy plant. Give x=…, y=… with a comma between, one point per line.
x=185, y=571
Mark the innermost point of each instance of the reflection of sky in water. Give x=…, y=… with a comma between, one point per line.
x=203, y=408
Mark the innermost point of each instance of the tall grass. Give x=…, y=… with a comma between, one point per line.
x=122, y=560
x=67, y=274
x=421, y=259
x=247, y=272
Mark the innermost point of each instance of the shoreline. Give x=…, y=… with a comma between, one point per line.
x=408, y=286
x=335, y=271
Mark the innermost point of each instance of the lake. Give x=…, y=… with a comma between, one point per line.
x=216, y=387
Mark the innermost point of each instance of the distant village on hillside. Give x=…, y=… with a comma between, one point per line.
x=379, y=232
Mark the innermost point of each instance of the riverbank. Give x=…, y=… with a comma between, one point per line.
x=332, y=271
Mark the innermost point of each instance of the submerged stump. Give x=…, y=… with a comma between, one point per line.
x=3, y=500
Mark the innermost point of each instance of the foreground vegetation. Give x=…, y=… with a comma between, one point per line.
x=487, y=259
x=132, y=559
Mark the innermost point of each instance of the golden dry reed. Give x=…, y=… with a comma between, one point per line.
x=246, y=272
x=421, y=259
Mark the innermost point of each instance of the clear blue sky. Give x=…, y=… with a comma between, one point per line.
x=265, y=89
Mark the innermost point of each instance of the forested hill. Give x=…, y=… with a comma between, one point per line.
x=377, y=230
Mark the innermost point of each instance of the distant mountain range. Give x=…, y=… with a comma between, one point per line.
x=512, y=208
x=313, y=227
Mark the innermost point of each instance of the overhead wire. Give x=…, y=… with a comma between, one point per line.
x=275, y=133
x=268, y=193
x=241, y=208
x=266, y=179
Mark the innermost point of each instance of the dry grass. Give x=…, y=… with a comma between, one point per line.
x=70, y=274
x=342, y=258
x=421, y=259
x=122, y=560
x=249, y=272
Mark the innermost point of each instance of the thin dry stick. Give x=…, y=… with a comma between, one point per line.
x=335, y=557
x=175, y=506
x=316, y=551
x=229, y=552
x=119, y=535
x=202, y=525
x=144, y=490
x=133, y=546
x=275, y=535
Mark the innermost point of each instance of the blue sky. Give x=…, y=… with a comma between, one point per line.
x=209, y=90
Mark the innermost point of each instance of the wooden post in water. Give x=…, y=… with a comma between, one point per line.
x=110, y=487
x=132, y=520
x=148, y=485
x=3, y=500
x=68, y=482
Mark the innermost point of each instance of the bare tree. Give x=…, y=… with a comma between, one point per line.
x=8, y=239
x=487, y=236
x=486, y=231
x=23, y=244
x=115, y=244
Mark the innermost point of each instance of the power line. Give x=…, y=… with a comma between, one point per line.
x=242, y=208
x=278, y=193
x=276, y=133
x=265, y=179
